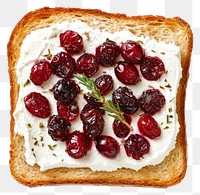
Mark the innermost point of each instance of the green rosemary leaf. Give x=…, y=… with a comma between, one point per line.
x=115, y=116
x=106, y=109
x=119, y=111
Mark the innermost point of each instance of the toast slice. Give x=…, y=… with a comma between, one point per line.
x=172, y=170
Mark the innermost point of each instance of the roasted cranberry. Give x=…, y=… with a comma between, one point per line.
x=58, y=128
x=37, y=105
x=63, y=65
x=71, y=41
x=120, y=129
x=125, y=99
x=152, y=68
x=136, y=146
x=93, y=122
x=132, y=52
x=106, y=53
x=151, y=101
x=104, y=83
x=149, y=127
x=77, y=145
x=68, y=111
x=87, y=65
x=40, y=72
x=65, y=90
x=92, y=101
x=107, y=146
x=127, y=73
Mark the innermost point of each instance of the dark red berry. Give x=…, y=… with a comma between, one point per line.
x=92, y=101
x=40, y=72
x=37, y=105
x=151, y=101
x=68, y=111
x=107, y=146
x=127, y=102
x=152, y=68
x=120, y=129
x=132, y=52
x=87, y=65
x=106, y=53
x=58, y=128
x=63, y=65
x=71, y=41
x=77, y=145
x=136, y=146
x=65, y=90
x=104, y=83
x=127, y=73
x=149, y=127
x=93, y=122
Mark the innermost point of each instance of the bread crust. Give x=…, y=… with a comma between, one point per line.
x=172, y=170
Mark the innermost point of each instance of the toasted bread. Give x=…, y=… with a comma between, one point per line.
x=172, y=170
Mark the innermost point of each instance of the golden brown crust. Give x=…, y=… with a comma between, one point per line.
x=172, y=170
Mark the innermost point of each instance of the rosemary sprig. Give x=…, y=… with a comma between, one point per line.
x=108, y=105
x=49, y=55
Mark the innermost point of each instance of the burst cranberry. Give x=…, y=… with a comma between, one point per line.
x=40, y=72
x=87, y=65
x=58, y=128
x=125, y=99
x=149, y=127
x=151, y=101
x=93, y=122
x=77, y=145
x=63, y=65
x=93, y=104
x=37, y=105
x=132, y=52
x=104, y=83
x=126, y=73
x=152, y=68
x=106, y=53
x=120, y=129
x=92, y=101
x=107, y=146
x=71, y=41
x=65, y=90
x=68, y=111
x=136, y=146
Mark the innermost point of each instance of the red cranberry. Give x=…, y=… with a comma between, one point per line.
x=93, y=122
x=152, y=68
x=37, y=105
x=132, y=52
x=87, y=65
x=120, y=129
x=151, y=101
x=40, y=72
x=65, y=90
x=77, y=145
x=107, y=146
x=68, y=111
x=63, y=65
x=149, y=127
x=92, y=101
x=126, y=73
x=58, y=128
x=136, y=146
x=71, y=41
x=106, y=53
x=104, y=83
x=127, y=102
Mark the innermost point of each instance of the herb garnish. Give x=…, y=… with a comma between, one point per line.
x=108, y=105
x=49, y=55
x=27, y=82
x=51, y=147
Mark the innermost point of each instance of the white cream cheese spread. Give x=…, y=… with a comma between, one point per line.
x=42, y=150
